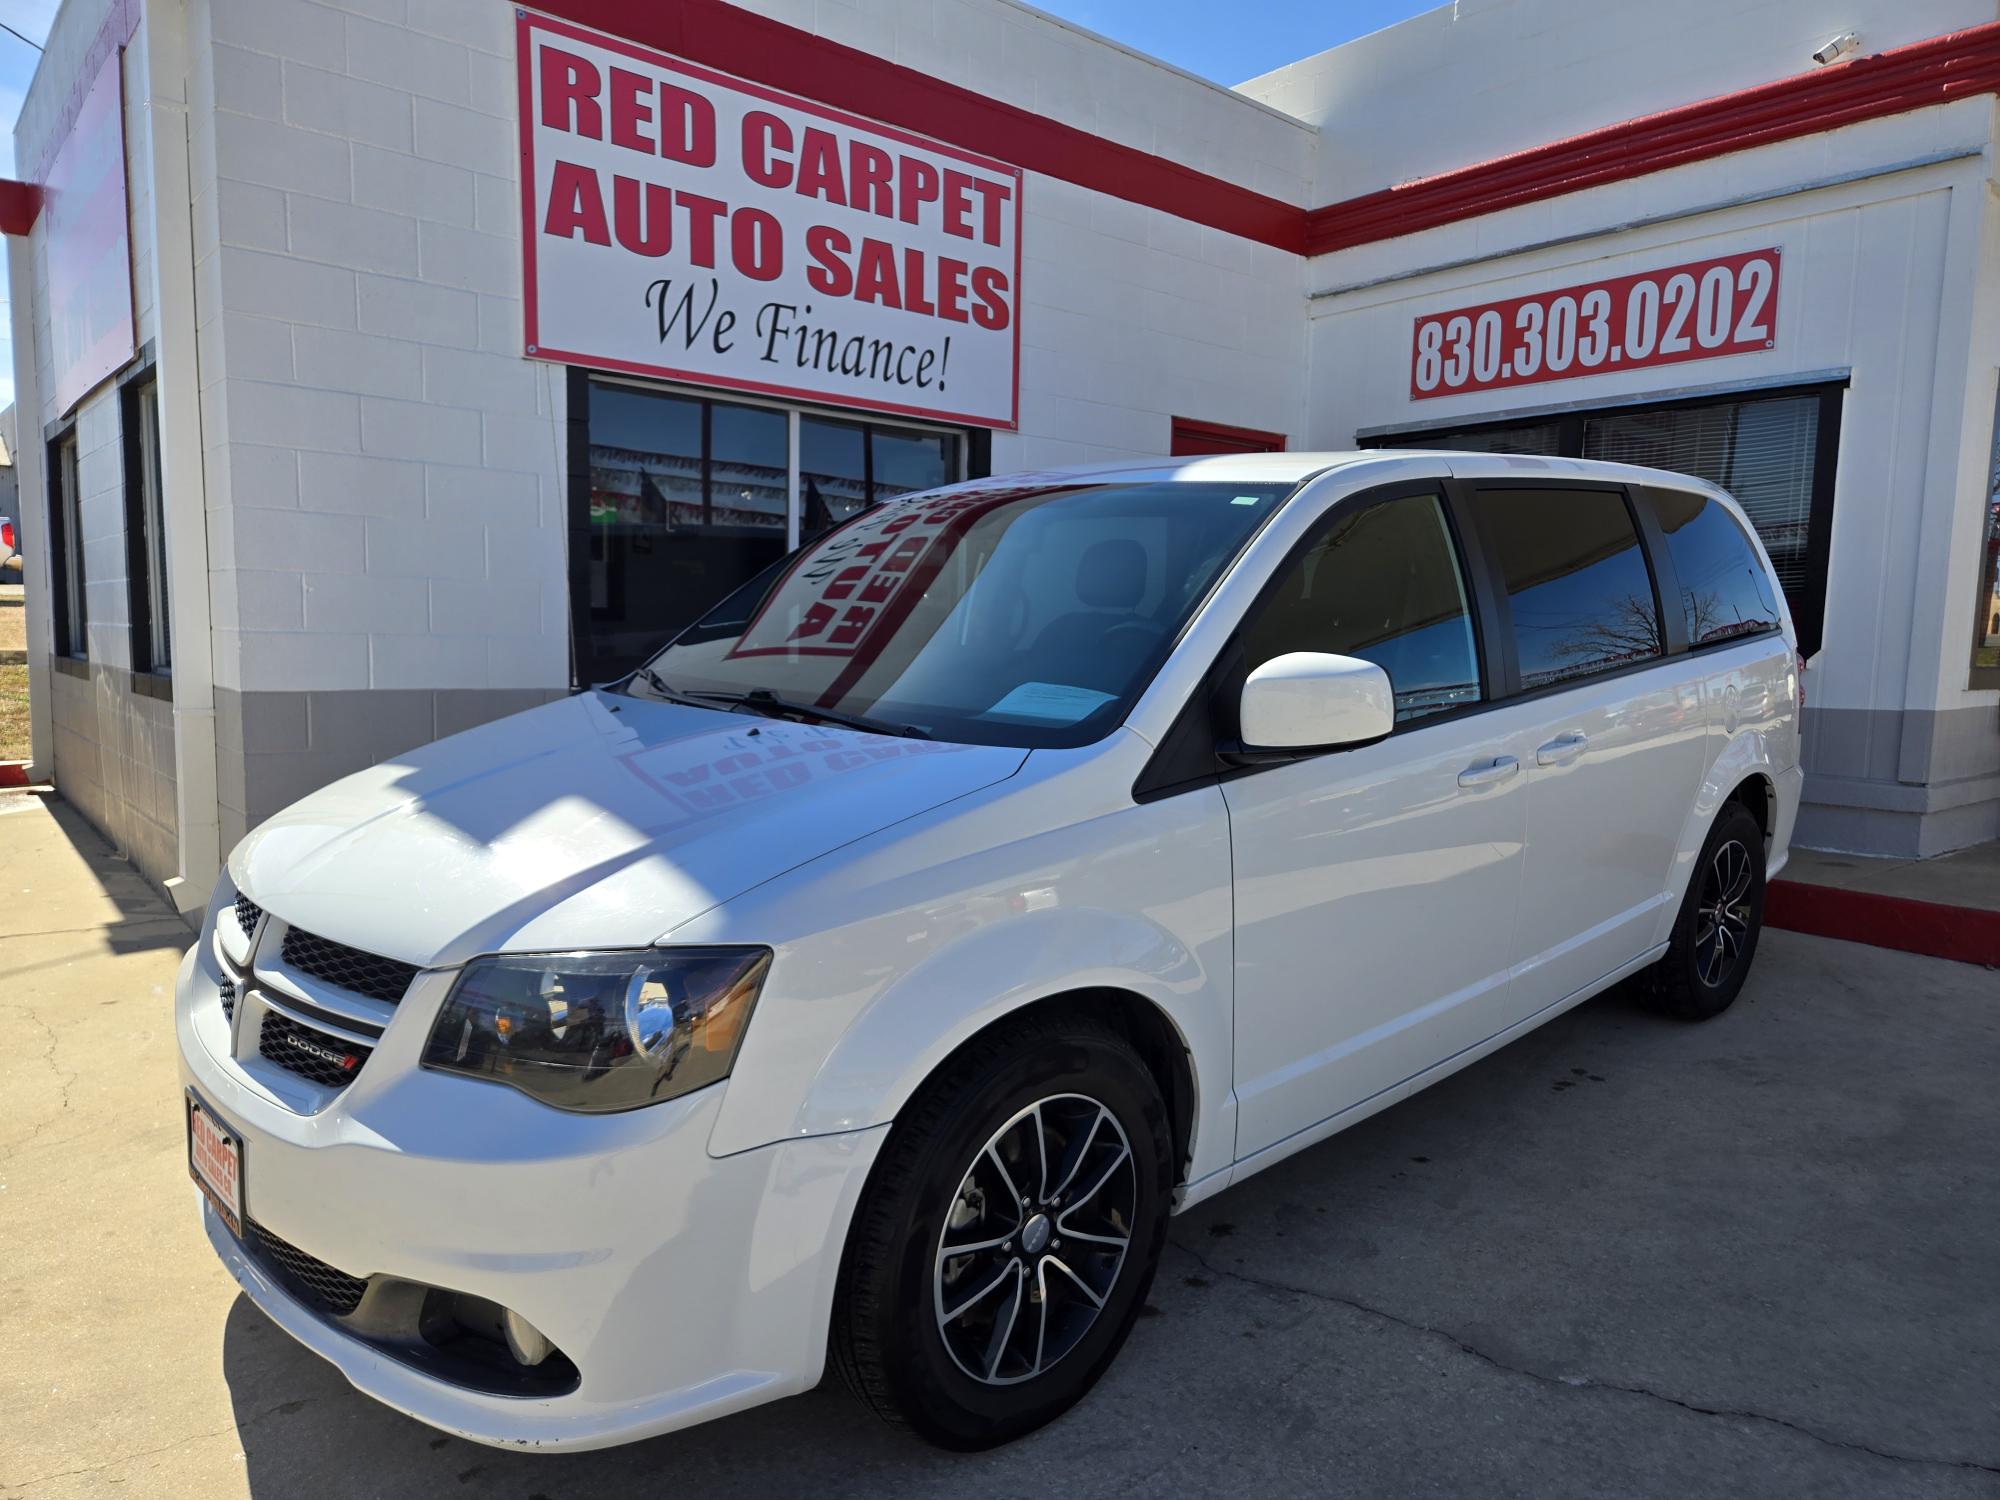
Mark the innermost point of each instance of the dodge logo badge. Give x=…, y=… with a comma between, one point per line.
x=347, y=1062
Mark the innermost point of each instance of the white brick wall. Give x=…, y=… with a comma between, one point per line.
x=100, y=452
x=1131, y=317
x=339, y=150
x=113, y=752
x=370, y=416
x=358, y=235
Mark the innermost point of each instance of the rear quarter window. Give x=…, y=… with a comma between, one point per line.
x=1724, y=589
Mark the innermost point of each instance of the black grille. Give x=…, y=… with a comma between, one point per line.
x=247, y=913
x=311, y=1280
x=313, y=1055
x=348, y=968
x=228, y=993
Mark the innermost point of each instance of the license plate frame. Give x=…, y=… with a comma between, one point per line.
x=211, y=1142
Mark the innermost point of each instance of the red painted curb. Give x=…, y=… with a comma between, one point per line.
x=1967, y=934
x=13, y=773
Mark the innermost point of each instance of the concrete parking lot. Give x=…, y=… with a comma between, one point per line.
x=1620, y=1258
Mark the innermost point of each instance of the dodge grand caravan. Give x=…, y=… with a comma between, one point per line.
x=868, y=976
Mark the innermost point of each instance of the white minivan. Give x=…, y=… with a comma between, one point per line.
x=868, y=976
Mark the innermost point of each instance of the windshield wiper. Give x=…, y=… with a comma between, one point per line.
x=768, y=703
x=662, y=689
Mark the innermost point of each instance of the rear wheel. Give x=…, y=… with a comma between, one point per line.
x=1008, y=1234
x=1715, y=937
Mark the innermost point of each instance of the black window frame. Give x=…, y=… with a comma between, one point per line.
x=1808, y=612
x=69, y=579
x=145, y=532
x=1201, y=747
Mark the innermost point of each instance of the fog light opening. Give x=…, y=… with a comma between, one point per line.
x=527, y=1343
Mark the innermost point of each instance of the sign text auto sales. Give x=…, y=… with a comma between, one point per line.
x=682, y=224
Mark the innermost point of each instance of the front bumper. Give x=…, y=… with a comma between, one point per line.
x=683, y=1286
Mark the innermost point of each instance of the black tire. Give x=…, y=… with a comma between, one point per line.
x=1708, y=957
x=891, y=1340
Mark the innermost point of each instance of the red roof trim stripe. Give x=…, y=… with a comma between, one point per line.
x=1957, y=65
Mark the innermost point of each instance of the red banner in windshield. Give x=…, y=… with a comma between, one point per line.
x=846, y=596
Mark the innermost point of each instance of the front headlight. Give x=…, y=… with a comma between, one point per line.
x=600, y=1032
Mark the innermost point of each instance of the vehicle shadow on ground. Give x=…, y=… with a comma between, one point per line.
x=1620, y=1256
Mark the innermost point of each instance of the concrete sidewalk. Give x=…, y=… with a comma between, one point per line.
x=1947, y=906
x=1622, y=1257
x=1969, y=877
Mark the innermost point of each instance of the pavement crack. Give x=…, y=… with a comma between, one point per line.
x=63, y=1081
x=1579, y=1382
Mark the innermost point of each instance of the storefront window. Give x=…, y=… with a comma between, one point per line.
x=1986, y=629
x=689, y=498
x=845, y=467
x=72, y=625
x=1761, y=452
x=1773, y=453
x=905, y=462
x=833, y=473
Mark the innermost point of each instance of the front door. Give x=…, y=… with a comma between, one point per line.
x=1375, y=887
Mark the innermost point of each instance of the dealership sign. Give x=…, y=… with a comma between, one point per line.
x=680, y=223
x=1701, y=310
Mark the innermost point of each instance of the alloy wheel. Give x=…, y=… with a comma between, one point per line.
x=1035, y=1238
x=1722, y=914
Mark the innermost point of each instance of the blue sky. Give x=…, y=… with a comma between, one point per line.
x=1230, y=43
x=1227, y=45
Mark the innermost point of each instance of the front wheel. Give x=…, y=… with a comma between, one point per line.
x=1715, y=937
x=1008, y=1234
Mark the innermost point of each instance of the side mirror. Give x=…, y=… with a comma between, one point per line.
x=1314, y=700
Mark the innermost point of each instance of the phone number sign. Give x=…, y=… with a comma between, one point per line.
x=1702, y=310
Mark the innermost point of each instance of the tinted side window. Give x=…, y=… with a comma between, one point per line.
x=1382, y=584
x=1578, y=587
x=1724, y=589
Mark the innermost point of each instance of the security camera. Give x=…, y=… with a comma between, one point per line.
x=1838, y=48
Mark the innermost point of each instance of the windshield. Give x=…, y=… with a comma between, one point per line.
x=986, y=615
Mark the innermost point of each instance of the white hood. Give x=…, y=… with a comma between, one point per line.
x=600, y=821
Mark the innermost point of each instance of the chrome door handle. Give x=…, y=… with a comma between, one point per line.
x=1561, y=750
x=1487, y=773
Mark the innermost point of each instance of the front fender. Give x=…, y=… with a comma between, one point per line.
x=918, y=1021
x=890, y=957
